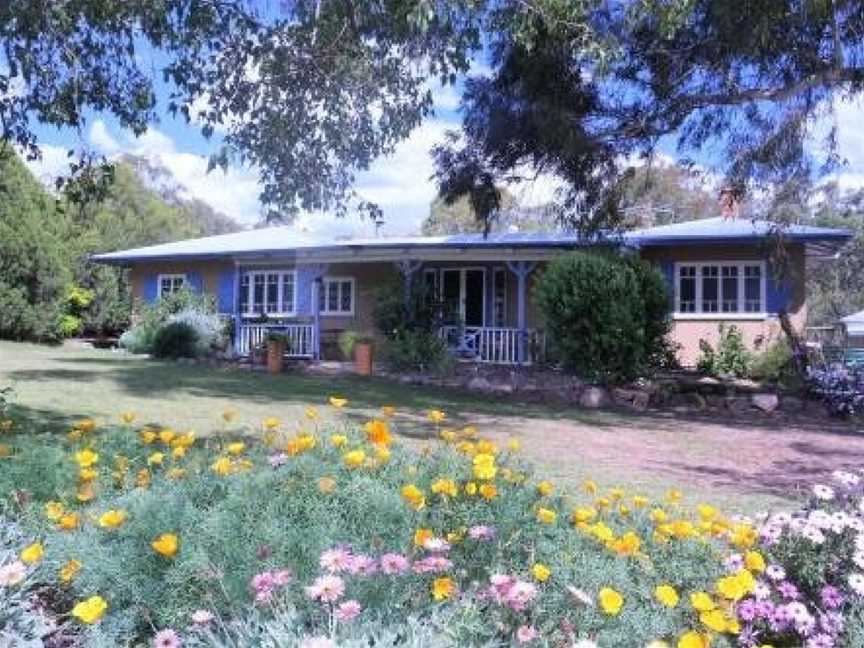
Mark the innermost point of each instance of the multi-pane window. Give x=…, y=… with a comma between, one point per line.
x=336, y=296
x=753, y=283
x=268, y=291
x=170, y=283
x=687, y=289
x=720, y=287
x=730, y=288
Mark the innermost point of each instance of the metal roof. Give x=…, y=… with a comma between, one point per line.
x=284, y=240
x=732, y=228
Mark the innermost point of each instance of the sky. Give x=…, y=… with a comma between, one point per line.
x=400, y=183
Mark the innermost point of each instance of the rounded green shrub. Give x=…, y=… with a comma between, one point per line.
x=606, y=317
x=176, y=340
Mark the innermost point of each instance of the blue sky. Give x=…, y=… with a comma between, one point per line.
x=399, y=183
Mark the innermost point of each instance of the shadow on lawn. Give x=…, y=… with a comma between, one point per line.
x=788, y=478
x=146, y=378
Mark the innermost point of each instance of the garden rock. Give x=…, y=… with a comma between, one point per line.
x=479, y=383
x=635, y=398
x=765, y=402
x=594, y=398
x=791, y=404
x=737, y=404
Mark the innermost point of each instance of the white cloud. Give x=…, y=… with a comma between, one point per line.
x=53, y=164
x=102, y=139
x=401, y=183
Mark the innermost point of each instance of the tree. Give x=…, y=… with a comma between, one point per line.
x=836, y=289
x=312, y=91
x=659, y=194
x=459, y=217
x=34, y=271
x=142, y=205
x=593, y=84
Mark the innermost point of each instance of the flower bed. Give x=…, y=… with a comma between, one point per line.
x=314, y=535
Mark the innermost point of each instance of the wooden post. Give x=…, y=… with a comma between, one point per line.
x=521, y=269
x=318, y=272
x=236, y=310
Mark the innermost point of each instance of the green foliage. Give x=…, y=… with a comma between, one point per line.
x=774, y=364
x=235, y=526
x=606, y=318
x=730, y=358
x=34, y=271
x=175, y=340
x=418, y=350
x=347, y=341
x=194, y=310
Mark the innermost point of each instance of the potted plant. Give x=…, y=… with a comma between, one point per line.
x=359, y=346
x=277, y=344
x=258, y=354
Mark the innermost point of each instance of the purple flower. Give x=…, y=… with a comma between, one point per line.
x=788, y=590
x=820, y=641
x=279, y=459
x=831, y=622
x=166, y=638
x=747, y=610
x=348, y=610
x=832, y=598
x=393, y=564
x=481, y=532
x=432, y=564
x=362, y=565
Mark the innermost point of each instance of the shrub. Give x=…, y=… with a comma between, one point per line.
x=606, y=317
x=176, y=340
x=814, y=591
x=840, y=389
x=208, y=328
x=774, y=364
x=184, y=306
x=418, y=350
x=392, y=315
x=731, y=358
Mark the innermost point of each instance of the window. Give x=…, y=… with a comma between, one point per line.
x=336, y=296
x=170, y=283
x=720, y=287
x=268, y=291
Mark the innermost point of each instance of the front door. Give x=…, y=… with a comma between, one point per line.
x=463, y=294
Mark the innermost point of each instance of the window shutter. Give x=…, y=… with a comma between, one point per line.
x=667, y=269
x=151, y=287
x=778, y=291
x=226, y=292
x=195, y=281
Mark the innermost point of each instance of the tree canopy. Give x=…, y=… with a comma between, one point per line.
x=312, y=91
x=48, y=286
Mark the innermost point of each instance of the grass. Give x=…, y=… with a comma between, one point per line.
x=56, y=385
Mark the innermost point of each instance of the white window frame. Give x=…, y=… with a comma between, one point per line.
x=172, y=276
x=719, y=314
x=280, y=311
x=323, y=291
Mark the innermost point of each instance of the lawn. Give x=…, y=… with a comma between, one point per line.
x=744, y=464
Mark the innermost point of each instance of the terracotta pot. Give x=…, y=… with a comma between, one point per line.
x=363, y=353
x=275, y=356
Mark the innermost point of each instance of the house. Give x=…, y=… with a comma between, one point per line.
x=718, y=271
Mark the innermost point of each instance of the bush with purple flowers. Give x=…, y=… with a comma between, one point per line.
x=812, y=587
x=840, y=388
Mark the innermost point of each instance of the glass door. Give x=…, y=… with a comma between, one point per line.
x=463, y=294
x=473, y=294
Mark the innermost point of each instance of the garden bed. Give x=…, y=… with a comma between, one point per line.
x=311, y=534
